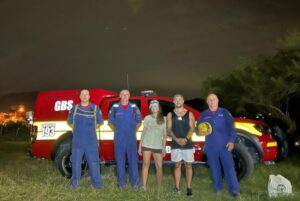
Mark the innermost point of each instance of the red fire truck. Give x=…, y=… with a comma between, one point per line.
x=52, y=137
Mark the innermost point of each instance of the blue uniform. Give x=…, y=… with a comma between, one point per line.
x=218, y=156
x=85, y=142
x=125, y=122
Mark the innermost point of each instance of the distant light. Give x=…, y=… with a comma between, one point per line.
x=21, y=108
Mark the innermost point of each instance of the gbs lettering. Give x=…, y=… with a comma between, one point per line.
x=63, y=105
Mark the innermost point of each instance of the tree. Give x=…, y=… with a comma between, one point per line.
x=266, y=82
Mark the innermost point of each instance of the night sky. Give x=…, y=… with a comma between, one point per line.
x=166, y=45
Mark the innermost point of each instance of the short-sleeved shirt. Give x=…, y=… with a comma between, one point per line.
x=153, y=133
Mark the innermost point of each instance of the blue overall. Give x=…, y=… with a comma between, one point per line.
x=85, y=142
x=125, y=123
x=218, y=156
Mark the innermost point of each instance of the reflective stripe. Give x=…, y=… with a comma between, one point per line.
x=104, y=133
x=85, y=113
x=272, y=144
x=75, y=111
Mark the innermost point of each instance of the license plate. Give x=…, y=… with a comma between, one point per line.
x=48, y=130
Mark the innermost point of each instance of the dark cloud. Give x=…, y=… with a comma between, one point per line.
x=169, y=46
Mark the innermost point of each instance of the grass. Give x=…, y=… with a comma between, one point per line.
x=24, y=178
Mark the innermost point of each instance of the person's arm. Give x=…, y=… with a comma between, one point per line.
x=164, y=140
x=138, y=117
x=111, y=117
x=71, y=118
x=192, y=125
x=169, y=126
x=232, y=131
x=140, y=144
x=142, y=136
x=99, y=119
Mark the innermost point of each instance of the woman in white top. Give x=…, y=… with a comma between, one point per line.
x=153, y=142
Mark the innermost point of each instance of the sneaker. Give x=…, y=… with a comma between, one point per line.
x=97, y=186
x=189, y=192
x=235, y=194
x=121, y=186
x=74, y=185
x=176, y=190
x=143, y=188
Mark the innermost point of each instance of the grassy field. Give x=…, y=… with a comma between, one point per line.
x=24, y=178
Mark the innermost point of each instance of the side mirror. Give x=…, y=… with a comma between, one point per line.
x=29, y=117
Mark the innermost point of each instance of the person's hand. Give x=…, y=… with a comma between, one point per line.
x=203, y=133
x=181, y=141
x=164, y=152
x=230, y=146
x=140, y=151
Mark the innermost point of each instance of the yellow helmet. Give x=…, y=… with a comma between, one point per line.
x=205, y=127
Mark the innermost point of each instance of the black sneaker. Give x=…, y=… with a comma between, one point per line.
x=189, y=192
x=235, y=194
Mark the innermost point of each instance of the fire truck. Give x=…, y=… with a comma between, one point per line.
x=51, y=137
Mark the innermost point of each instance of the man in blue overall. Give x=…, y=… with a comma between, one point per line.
x=84, y=118
x=219, y=144
x=124, y=118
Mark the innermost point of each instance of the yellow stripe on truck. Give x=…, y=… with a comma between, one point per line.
x=52, y=130
x=247, y=127
x=272, y=144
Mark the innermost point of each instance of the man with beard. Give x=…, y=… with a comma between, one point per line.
x=180, y=125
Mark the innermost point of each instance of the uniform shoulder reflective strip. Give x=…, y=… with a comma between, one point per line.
x=134, y=109
x=86, y=112
x=75, y=111
x=95, y=116
x=115, y=105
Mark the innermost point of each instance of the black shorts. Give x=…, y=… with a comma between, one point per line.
x=156, y=151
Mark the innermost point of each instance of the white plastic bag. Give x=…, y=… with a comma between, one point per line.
x=279, y=186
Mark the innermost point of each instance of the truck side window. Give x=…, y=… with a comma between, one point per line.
x=166, y=106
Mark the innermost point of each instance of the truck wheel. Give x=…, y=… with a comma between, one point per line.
x=282, y=143
x=244, y=163
x=253, y=147
x=63, y=163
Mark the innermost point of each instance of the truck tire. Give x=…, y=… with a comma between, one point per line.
x=251, y=143
x=282, y=143
x=63, y=163
x=244, y=163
